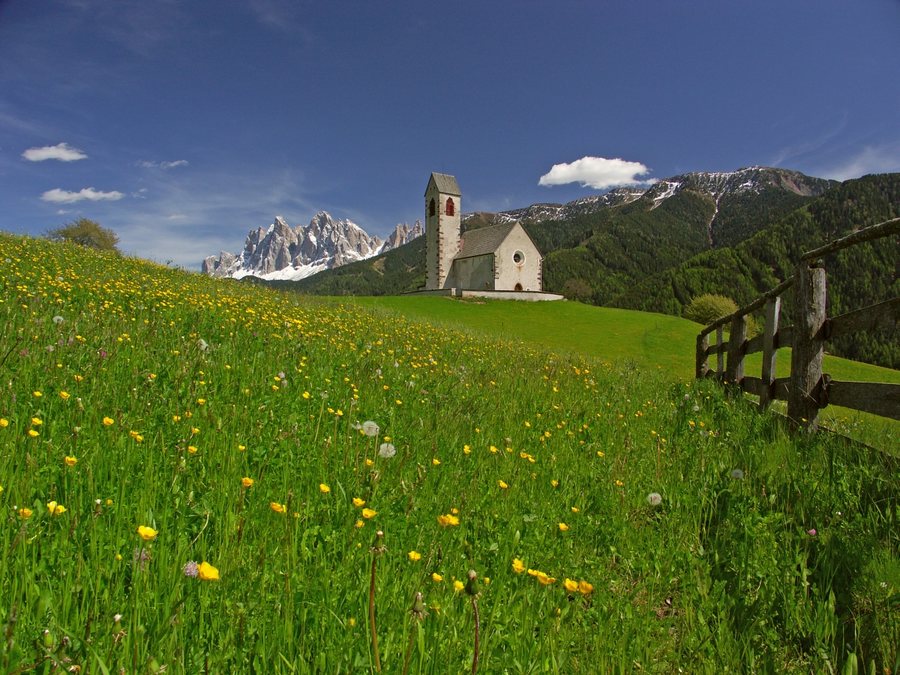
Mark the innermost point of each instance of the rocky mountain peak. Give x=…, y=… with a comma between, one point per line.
x=284, y=252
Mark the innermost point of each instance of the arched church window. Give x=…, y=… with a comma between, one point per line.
x=431, y=207
x=450, y=206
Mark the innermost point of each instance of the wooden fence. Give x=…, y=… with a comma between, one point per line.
x=808, y=389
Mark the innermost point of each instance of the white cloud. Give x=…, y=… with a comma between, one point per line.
x=58, y=196
x=868, y=160
x=163, y=165
x=62, y=151
x=599, y=173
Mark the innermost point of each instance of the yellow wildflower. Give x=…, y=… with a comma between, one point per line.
x=503, y=484
x=33, y=433
x=247, y=482
x=147, y=533
x=25, y=513
x=64, y=395
x=192, y=449
x=3, y=422
x=207, y=572
x=36, y=421
x=448, y=520
x=358, y=524
x=554, y=483
x=436, y=578
x=241, y=448
x=458, y=585
x=368, y=514
x=435, y=461
x=585, y=588
x=55, y=509
x=518, y=565
x=571, y=586
x=414, y=556
x=108, y=421
x=71, y=460
x=358, y=503
x=324, y=489
x=545, y=579
x=278, y=508
x=36, y=394
x=563, y=527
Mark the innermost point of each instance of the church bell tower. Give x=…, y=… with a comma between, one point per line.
x=443, y=204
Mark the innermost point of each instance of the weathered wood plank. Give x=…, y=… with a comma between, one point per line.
x=770, y=349
x=720, y=358
x=883, y=315
x=781, y=389
x=884, y=229
x=717, y=349
x=701, y=366
x=878, y=398
x=753, y=345
x=734, y=371
x=753, y=385
x=784, y=337
x=808, y=352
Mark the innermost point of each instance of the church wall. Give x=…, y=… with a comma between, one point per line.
x=476, y=273
x=508, y=272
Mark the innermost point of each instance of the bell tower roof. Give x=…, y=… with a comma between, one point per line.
x=445, y=184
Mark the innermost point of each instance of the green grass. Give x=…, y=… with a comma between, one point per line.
x=135, y=395
x=646, y=340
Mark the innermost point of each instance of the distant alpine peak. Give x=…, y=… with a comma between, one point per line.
x=292, y=253
x=752, y=179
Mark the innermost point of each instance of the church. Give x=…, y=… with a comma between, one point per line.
x=496, y=261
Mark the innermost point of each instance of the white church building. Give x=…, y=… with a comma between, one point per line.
x=499, y=261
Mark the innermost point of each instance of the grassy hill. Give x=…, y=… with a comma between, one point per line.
x=192, y=479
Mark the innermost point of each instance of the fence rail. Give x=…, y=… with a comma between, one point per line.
x=808, y=389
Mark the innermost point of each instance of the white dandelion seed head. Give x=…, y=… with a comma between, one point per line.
x=58, y=319
x=202, y=344
x=387, y=450
x=370, y=428
x=654, y=499
x=737, y=474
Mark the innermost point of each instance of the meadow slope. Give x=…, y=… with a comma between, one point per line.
x=192, y=475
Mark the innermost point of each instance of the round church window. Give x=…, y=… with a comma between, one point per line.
x=519, y=258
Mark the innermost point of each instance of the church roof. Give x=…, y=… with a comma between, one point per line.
x=445, y=184
x=484, y=240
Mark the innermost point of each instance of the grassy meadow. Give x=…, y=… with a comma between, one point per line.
x=193, y=474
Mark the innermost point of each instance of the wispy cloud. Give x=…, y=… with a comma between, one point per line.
x=147, y=164
x=58, y=196
x=200, y=213
x=61, y=151
x=869, y=159
x=599, y=173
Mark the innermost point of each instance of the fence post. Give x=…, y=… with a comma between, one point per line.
x=808, y=347
x=720, y=357
x=735, y=370
x=702, y=367
x=770, y=353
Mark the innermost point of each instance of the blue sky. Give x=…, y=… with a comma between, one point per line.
x=182, y=124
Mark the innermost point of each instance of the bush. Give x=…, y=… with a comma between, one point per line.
x=706, y=308
x=88, y=233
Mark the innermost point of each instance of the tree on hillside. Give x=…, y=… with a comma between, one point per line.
x=706, y=308
x=88, y=233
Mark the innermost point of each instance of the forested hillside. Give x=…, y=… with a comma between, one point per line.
x=859, y=276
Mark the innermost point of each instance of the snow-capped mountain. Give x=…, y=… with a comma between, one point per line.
x=285, y=252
